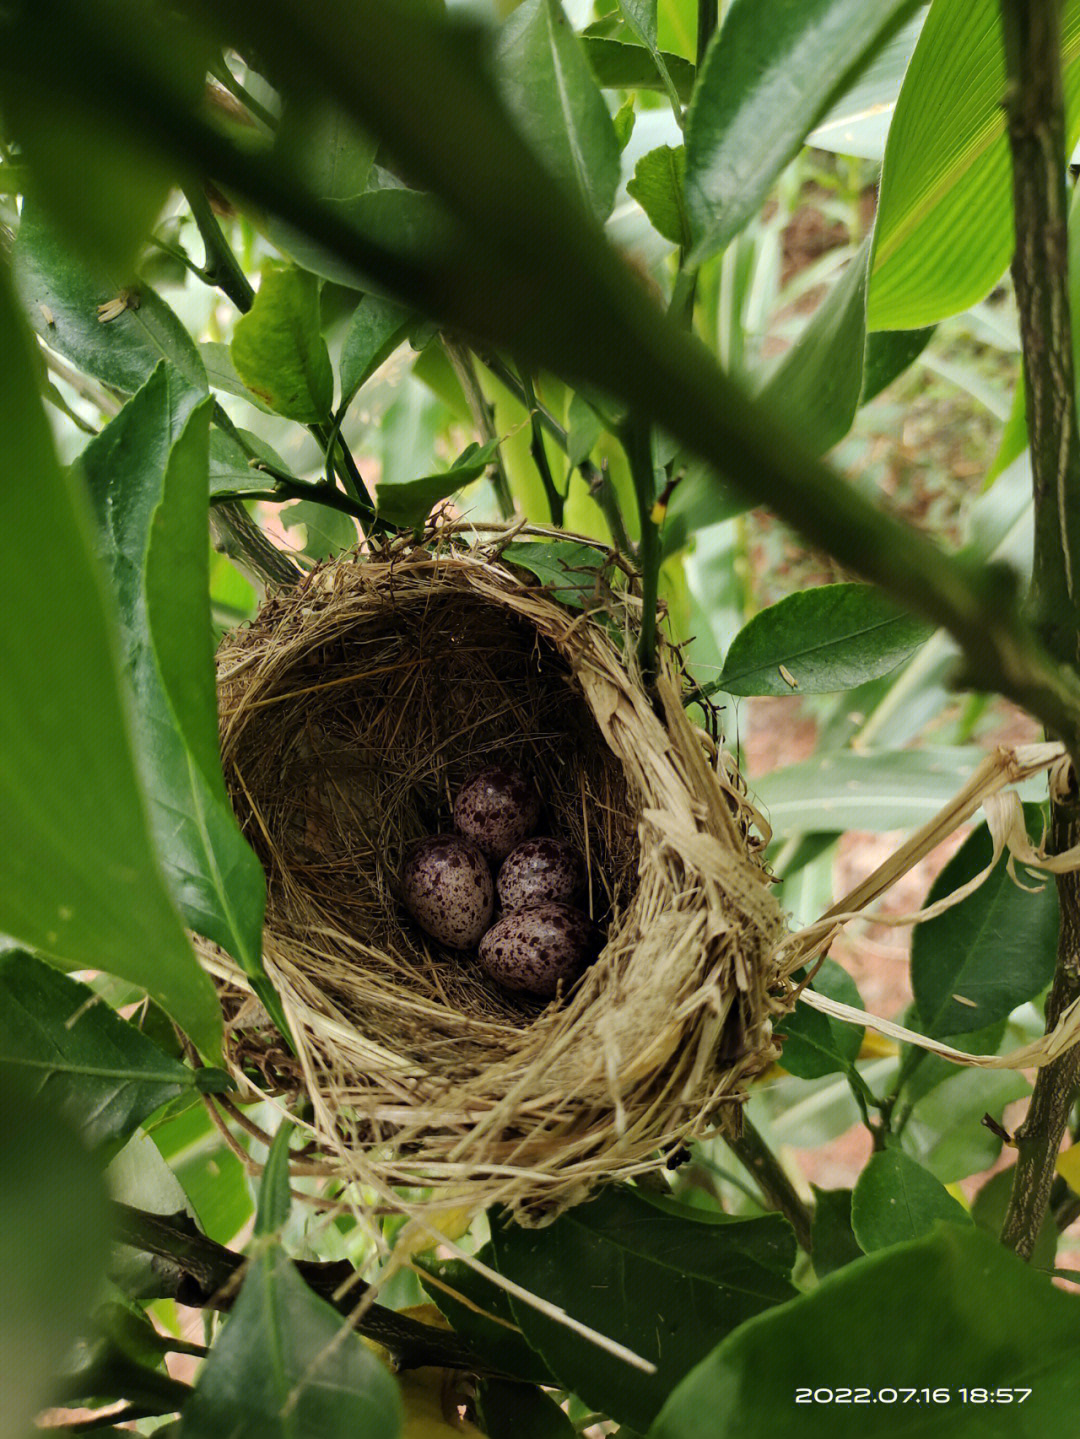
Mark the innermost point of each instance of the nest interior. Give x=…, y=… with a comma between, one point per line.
x=352, y=710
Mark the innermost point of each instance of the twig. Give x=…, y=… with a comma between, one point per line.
x=1036, y=122
x=555, y=500
x=758, y=1159
x=463, y=367
x=212, y=1274
x=637, y=441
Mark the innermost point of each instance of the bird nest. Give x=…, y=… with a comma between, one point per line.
x=352, y=709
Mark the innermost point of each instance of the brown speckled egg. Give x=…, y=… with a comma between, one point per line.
x=533, y=949
x=539, y=870
x=447, y=888
x=498, y=808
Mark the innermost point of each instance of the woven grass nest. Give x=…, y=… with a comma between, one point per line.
x=352, y=709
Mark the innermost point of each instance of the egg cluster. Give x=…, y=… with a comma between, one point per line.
x=540, y=939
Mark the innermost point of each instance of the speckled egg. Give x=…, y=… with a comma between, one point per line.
x=447, y=888
x=534, y=949
x=538, y=871
x=498, y=807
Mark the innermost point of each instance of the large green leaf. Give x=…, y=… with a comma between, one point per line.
x=944, y=230
x=284, y=1369
x=895, y=789
x=86, y=1060
x=409, y=502
x=923, y=1315
x=977, y=961
x=319, y=140
x=147, y=474
x=550, y=91
x=277, y=348
x=896, y=1199
x=814, y=1043
x=61, y=295
x=770, y=75
x=53, y=1243
x=830, y=638
x=858, y=123
x=946, y=1132
x=819, y=382
x=619, y=65
x=376, y=329
x=81, y=879
x=666, y=1281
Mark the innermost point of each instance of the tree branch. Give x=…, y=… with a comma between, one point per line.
x=1036, y=123
x=210, y=1277
x=758, y=1160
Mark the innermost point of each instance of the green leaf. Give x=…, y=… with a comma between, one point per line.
x=482, y=1315
x=565, y=567
x=81, y=881
x=623, y=120
x=409, y=502
x=988, y=1211
x=926, y=1314
x=946, y=1133
x=221, y=374
x=230, y=462
x=278, y=350
x=520, y=1411
x=976, y=962
x=827, y=639
x=275, y=1201
x=832, y=1237
x=617, y=65
x=858, y=123
x=326, y=531
x=701, y=498
x=147, y=474
x=944, y=230
x=770, y=74
x=53, y=1242
x=896, y=1199
x=210, y=1174
x=658, y=187
x=86, y=1060
x=888, y=355
x=376, y=329
x=896, y=789
x=284, y=1369
x=815, y=1044
x=61, y=296
x=818, y=384
x=664, y=1280
x=549, y=89
x=318, y=140
x=641, y=19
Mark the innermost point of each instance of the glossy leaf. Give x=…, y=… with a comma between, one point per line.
x=376, y=329
x=231, y=453
x=665, y=1280
x=53, y=1242
x=830, y=638
x=701, y=498
x=618, y=65
x=81, y=1056
x=549, y=89
x=858, y=124
x=519, y=1411
x=770, y=74
x=896, y=1199
x=658, y=187
x=409, y=502
x=946, y=1133
x=283, y=1369
x=818, y=384
x=326, y=531
x=221, y=374
x=814, y=1043
x=147, y=474
x=926, y=1314
x=977, y=961
x=565, y=567
x=61, y=296
x=944, y=230
x=482, y=1314
x=832, y=1237
x=278, y=351
x=899, y=789
x=81, y=881
x=888, y=355
x=275, y=1201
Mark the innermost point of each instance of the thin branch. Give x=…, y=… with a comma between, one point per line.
x=463, y=367
x=1036, y=123
x=211, y=1277
x=758, y=1160
x=237, y=535
x=555, y=500
x=637, y=442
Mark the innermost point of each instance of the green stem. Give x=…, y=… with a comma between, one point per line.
x=506, y=377
x=229, y=82
x=758, y=1160
x=636, y=440
x=555, y=500
x=483, y=417
x=603, y=492
x=220, y=266
x=1035, y=109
